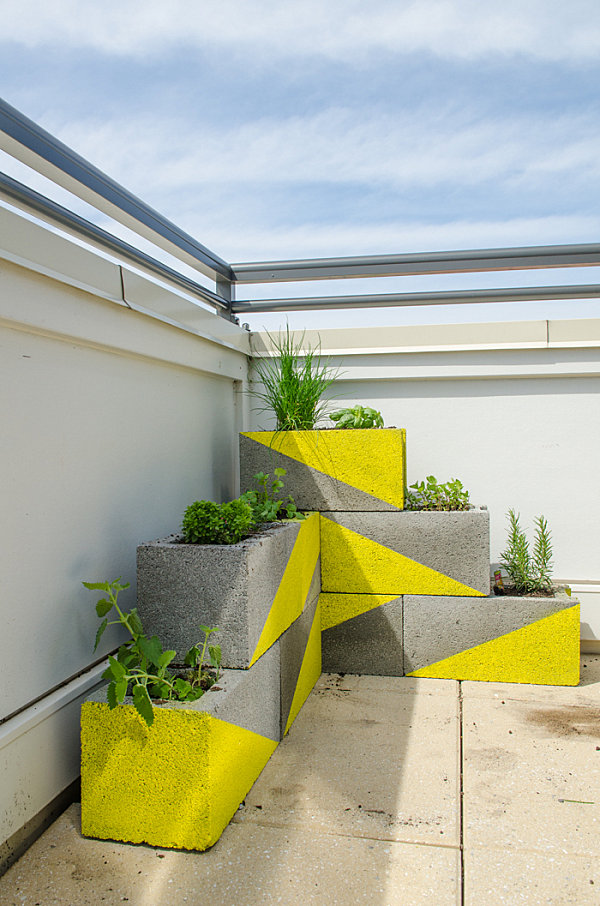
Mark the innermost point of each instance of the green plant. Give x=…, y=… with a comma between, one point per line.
x=141, y=666
x=530, y=572
x=265, y=501
x=358, y=417
x=205, y=522
x=432, y=495
x=294, y=382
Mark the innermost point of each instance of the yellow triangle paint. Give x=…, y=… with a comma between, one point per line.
x=352, y=563
x=310, y=671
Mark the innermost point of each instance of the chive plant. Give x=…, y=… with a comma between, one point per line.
x=293, y=383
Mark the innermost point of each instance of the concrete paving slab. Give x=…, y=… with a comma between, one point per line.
x=249, y=865
x=354, y=765
x=586, y=693
x=531, y=776
x=495, y=877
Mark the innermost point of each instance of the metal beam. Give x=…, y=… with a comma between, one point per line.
x=26, y=141
x=29, y=200
x=388, y=300
x=453, y=262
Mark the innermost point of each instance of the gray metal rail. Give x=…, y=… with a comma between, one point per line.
x=453, y=262
x=49, y=210
x=29, y=143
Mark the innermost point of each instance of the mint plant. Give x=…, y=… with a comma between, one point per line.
x=141, y=666
x=432, y=495
x=529, y=571
x=205, y=522
x=357, y=417
x=266, y=502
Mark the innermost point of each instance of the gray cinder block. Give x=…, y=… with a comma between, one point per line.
x=453, y=544
x=370, y=643
x=292, y=647
x=436, y=628
x=316, y=485
x=180, y=586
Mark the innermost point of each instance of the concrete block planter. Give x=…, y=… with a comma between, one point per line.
x=493, y=639
x=253, y=591
x=409, y=552
x=179, y=782
x=339, y=470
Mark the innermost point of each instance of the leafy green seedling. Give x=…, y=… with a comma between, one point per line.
x=432, y=495
x=266, y=502
x=141, y=667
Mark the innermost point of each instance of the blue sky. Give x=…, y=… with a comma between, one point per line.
x=283, y=130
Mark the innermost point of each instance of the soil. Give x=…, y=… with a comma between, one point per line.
x=512, y=591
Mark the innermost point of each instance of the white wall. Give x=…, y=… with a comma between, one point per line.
x=511, y=409
x=120, y=404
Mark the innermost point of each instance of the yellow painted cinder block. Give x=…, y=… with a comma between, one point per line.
x=372, y=460
x=336, y=608
x=174, y=784
x=545, y=652
x=354, y=564
x=294, y=587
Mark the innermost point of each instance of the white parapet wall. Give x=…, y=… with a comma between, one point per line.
x=511, y=409
x=121, y=399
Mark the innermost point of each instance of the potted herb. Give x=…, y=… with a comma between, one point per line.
x=327, y=469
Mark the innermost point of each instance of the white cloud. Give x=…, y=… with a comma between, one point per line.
x=410, y=150
x=344, y=30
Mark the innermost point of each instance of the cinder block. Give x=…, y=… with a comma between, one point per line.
x=252, y=590
x=174, y=784
x=368, y=641
x=331, y=469
x=494, y=639
x=409, y=552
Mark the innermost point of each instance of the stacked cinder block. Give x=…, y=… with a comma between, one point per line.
x=179, y=782
x=407, y=592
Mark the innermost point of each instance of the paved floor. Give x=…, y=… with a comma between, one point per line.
x=386, y=791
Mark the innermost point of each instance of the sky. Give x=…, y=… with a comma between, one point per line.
x=274, y=130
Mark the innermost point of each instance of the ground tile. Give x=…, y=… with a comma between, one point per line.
x=532, y=776
x=249, y=865
x=500, y=878
x=355, y=765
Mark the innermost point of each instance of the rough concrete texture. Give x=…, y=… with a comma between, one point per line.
x=409, y=552
x=370, y=643
x=174, y=784
x=363, y=802
x=437, y=628
x=180, y=586
x=331, y=469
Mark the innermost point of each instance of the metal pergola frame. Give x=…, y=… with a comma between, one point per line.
x=29, y=143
